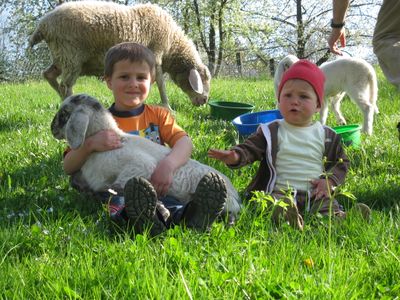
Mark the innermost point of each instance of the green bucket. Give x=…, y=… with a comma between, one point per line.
x=350, y=134
x=228, y=110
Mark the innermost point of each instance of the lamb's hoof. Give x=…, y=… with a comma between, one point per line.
x=229, y=218
x=141, y=203
x=208, y=202
x=363, y=210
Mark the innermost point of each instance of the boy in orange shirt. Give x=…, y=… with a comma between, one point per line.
x=129, y=73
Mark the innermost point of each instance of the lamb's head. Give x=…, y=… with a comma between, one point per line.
x=286, y=63
x=283, y=65
x=74, y=120
x=288, y=60
x=195, y=82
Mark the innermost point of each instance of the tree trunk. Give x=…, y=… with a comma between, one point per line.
x=221, y=32
x=272, y=67
x=239, y=62
x=300, y=31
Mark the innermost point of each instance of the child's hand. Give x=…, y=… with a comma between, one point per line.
x=103, y=141
x=229, y=157
x=162, y=177
x=321, y=189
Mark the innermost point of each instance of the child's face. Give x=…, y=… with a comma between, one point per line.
x=298, y=102
x=130, y=83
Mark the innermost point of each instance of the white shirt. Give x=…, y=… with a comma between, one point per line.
x=300, y=155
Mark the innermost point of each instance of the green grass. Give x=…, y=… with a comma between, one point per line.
x=55, y=243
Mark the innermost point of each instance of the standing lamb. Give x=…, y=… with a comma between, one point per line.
x=357, y=78
x=78, y=35
x=81, y=116
x=353, y=76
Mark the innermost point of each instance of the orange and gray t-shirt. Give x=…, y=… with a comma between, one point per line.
x=152, y=122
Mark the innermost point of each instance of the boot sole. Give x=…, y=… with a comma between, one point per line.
x=208, y=202
x=140, y=205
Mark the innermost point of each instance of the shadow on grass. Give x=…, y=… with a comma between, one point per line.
x=375, y=183
x=13, y=123
x=384, y=198
x=42, y=190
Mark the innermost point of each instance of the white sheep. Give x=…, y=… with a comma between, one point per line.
x=356, y=78
x=347, y=75
x=78, y=35
x=81, y=116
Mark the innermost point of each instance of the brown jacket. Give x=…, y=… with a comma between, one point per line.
x=262, y=146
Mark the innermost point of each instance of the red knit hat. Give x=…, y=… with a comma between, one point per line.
x=308, y=71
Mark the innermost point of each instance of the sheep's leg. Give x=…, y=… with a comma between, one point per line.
x=368, y=119
x=368, y=111
x=324, y=112
x=161, y=87
x=51, y=74
x=336, y=101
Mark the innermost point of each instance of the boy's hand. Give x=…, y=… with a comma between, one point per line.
x=162, y=177
x=321, y=189
x=229, y=157
x=103, y=141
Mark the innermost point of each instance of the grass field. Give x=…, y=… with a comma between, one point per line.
x=55, y=243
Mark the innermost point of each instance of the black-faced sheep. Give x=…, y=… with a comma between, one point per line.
x=347, y=75
x=78, y=35
x=81, y=116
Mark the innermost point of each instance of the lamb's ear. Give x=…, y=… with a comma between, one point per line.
x=75, y=130
x=195, y=81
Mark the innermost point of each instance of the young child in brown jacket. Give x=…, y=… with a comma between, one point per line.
x=299, y=156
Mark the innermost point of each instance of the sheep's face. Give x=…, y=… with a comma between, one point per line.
x=72, y=119
x=196, y=84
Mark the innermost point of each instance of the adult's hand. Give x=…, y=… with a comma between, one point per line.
x=337, y=35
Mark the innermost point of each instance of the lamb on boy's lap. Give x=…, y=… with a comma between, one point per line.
x=194, y=184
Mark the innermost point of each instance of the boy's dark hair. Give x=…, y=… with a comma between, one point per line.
x=133, y=52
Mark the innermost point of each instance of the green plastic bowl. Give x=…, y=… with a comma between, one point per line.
x=228, y=110
x=350, y=134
